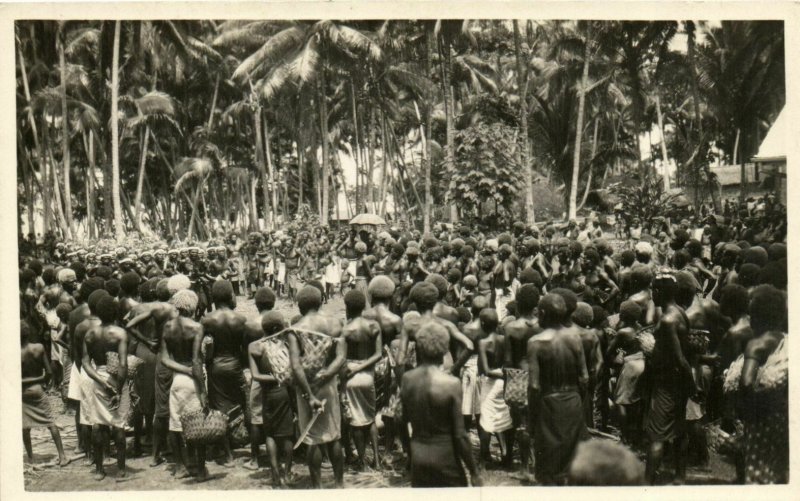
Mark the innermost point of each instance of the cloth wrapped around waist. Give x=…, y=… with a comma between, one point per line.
x=328, y=425
x=434, y=462
x=360, y=395
x=183, y=399
x=470, y=388
x=495, y=414
x=226, y=384
x=35, y=408
x=108, y=408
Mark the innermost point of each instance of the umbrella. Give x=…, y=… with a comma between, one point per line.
x=368, y=219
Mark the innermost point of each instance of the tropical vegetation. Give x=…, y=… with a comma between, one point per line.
x=188, y=128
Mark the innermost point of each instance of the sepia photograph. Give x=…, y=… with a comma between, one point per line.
x=266, y=254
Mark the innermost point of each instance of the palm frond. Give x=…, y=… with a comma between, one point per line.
x=156, y=102
x=354, y=40
x=81, y=39
x=190, y=168
x=270, y=53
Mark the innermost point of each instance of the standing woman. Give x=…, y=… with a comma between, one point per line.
x=763, y=390
x=495, y=414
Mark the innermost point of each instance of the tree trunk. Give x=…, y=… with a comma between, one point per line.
x=271, y=171
x=213, y=105
x=576, y=154
x=323, y=122
x=300, y=162
x=426, y=133
x=137, y=201
x=591, y=169
x=90, y=216
x=119, y=230
x=37, y=144
x=664, y=154
x=47, y=202
x=261, y=163
x=26, y=180
x=690, y=46
x=55, y=185
x=449, y=110
x=371, y=162
x=357, y=148
x=253, y=207
x=384, y=159
x=65, y=135
x=522, y=89
x=198, y=189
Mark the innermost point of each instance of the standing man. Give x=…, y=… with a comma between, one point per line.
x=277, y=415
x=35, y=409
x=318, y=391
x=181, y=353
x=381, y=290
x=517, y=334
x=364, y=348
x=671, y=379
x=110, y=398
x=432, y=405
x=557, y=375
x=265, y=301
x=226, y=375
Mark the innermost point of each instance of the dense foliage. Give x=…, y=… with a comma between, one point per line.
x=225, y=125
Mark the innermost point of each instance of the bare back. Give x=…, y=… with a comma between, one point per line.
x=179, y=337
x=390, y=324
x=103, y=339
x=227, y=329
x=428, y=396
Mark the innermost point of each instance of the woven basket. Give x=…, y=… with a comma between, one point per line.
x=277, y=354
x=411, y=355
x=722, y=442
x=697, y=342
x=240, y=435
x=647, y=340
x=201, y=428
x=315, y=349
x=112, y=364
x=515, y=391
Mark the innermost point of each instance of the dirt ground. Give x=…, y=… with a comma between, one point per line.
x=44, y=475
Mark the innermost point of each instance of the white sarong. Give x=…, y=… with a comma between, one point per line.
x=495, y=414
x=182, y=400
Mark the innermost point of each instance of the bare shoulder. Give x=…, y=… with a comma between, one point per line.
x=760, y=347
x=118, y=332
x=255, y=347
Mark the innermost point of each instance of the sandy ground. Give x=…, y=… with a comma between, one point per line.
x=44, y=475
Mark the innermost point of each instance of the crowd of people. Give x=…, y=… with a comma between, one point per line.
x=531, y=337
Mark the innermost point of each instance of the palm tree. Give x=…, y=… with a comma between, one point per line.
x=119, y=230
x=635, y=44
x=60, y=41
x=154, y=112
x=301, y=54
x=522, y=89
x=740, y=72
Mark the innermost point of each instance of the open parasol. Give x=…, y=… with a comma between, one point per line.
x=368, y=219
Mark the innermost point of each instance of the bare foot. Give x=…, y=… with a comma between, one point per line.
x=63, y=461
x=157, y=461
x=182, y=472
x=251, y=465
x=202, y=476
x=99, y=475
